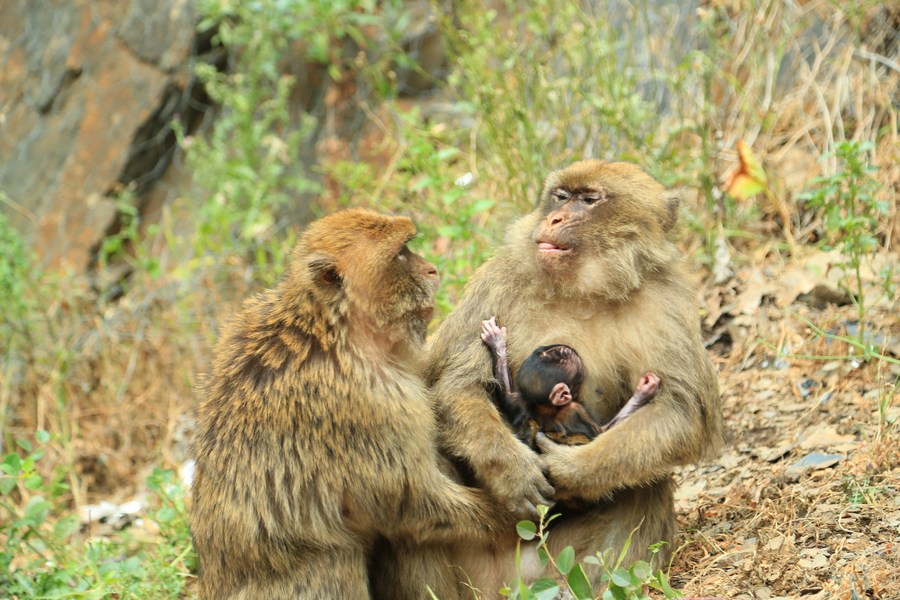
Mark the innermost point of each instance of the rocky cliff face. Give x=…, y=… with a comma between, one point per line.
x=87, y=90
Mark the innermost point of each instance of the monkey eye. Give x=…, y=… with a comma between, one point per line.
x=560, y=195
x=403, y=255
x=593, y=198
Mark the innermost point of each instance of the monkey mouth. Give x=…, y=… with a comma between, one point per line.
x=552, y=249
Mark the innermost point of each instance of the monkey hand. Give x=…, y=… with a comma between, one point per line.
x=647, y=387
x=520, y=485
x=561, y=464
x=494, y=336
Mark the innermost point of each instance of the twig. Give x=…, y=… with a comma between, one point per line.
x=866, y=55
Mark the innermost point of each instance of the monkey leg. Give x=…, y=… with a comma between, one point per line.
x=406, y=571
x=646, y=514
x=333, y=574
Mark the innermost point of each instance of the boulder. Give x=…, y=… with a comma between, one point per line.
x=83, y=81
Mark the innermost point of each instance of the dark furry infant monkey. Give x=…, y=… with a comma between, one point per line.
x=548, y=383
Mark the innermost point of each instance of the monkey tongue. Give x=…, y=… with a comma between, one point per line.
x=549, y=247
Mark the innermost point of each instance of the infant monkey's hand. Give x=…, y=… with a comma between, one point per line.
x=493, y=335
x=647, y=387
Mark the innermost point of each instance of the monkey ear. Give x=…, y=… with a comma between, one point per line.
x=672, y=198
x=325, y=272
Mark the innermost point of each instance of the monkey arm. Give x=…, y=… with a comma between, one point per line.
x=511, y=402
x=494, y=338
x=459, y=373
x=472, y=428
x=670, y=431
x=645, y=391
x=437, y=509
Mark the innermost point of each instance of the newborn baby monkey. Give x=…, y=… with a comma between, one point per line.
x=548, y=384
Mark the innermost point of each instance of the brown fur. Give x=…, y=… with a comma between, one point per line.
x=316, y=433
x=622, y=297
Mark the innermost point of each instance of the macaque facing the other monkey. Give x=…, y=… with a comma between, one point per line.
x=316, y=438
x=549, y=383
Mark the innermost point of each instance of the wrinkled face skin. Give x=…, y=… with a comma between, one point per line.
x=566, y=209
x=359, y=265
x=602, y=227
x=394, y=286
x=410, y=283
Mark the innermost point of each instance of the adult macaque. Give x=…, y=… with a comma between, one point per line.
x=591, y=267
x=316, y=435
x=549, y=384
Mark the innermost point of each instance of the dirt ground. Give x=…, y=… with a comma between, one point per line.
x=804, y=501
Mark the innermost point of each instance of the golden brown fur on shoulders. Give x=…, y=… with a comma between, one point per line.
x=315, y=434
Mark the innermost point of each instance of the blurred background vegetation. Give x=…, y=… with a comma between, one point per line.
x=453, y=113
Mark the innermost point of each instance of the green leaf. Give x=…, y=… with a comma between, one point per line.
x=421, y=183
x=624, y=551
x=543, y=556
x=544, y=589
x=42, y=436
x=566, y=560
x=12, y=464
x=579, y=584
x=642, y=571
x=37, y=510
x=481, y=206
x=526, y=530
x=24, y=444
x=446, y=153
x=33, y=482
x=7, y=484
x=66, y=526
x=450, y=231
x=661, y=583
x=621, y=577
x=166, y=514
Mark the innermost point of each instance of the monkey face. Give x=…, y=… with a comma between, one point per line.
x=357, y=261
x=406, y=293
x=541, y=374
x=602, y=226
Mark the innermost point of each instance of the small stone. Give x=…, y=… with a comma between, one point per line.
x=811, y=462
x=775, y=543
x=816, y=562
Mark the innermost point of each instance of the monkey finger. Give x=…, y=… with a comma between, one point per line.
x=544, y=487
x=548, y=502
x=546, y=445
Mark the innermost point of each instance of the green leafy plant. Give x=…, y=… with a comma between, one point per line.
x=542, y=91
x=850, y=207
x=34, y=541
x=43, y=554
x=430, y=177
x=16, y=270
x=621, y=582
x=629, y=583
x=172, y=517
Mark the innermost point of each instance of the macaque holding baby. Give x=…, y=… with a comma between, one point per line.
x=548, y=384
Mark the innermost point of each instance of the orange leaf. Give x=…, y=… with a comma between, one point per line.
x=749, y=178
